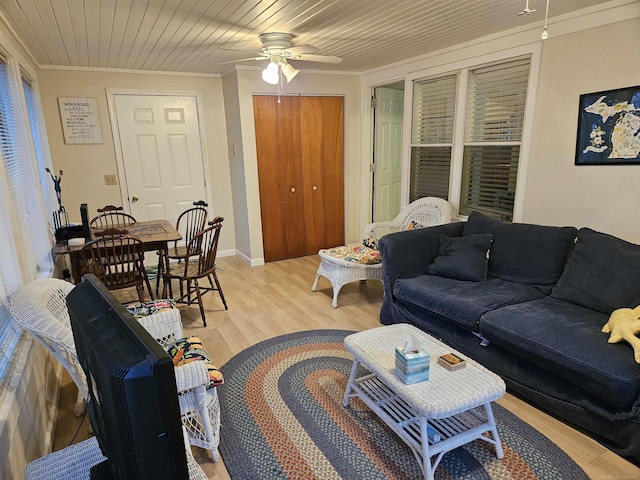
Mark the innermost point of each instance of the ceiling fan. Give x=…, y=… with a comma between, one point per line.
x=277, y=48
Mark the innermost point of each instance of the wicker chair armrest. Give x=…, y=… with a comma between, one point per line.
x=192, y=375
x=165, y=326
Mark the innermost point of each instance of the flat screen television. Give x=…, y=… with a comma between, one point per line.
x=133, y=400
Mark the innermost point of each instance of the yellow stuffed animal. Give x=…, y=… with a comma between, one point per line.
x=624, y=324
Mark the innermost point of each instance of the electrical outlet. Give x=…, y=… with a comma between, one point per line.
x=110, y=180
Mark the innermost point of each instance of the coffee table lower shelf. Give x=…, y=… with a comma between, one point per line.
x=453, y=431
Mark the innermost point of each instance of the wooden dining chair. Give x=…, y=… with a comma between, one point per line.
x=191, y=269
x=190, y=222
x=117, y=260
x=111, y=217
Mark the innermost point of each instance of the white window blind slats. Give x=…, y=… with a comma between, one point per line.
x=34, y=126
x=489, y=174
x=494, y=124
x=9, y=333
x=495, y=102
x=430, y=171
x=433, y=110
x=13, y=160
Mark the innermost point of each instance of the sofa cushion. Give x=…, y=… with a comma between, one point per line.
x=601, y=273
x=462, y=258
x=459, y=301
x=524, y=253
x=567, y=340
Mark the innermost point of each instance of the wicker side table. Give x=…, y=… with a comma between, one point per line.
x=340, y=272
x=454, y=405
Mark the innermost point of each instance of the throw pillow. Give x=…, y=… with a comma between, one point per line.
x=191, y=349
x=601, y=273
x=462, y=258
x=371, y=243
x=524, y=253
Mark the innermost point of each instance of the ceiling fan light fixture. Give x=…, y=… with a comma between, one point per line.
x=289, y=71
x=270, y=74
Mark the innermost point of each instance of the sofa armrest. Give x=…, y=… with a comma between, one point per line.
x=407, y=254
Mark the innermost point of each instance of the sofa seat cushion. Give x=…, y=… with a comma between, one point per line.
x=601, y=273
x=522, y=252
x=567, y=340
x=462, y=302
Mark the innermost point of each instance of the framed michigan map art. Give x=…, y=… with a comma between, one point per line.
x=609, y=128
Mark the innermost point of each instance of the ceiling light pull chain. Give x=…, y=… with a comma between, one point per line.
x=545, y=33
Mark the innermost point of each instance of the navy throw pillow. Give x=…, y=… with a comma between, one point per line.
x=524, y=253
x=601, y=273
x=462, y=258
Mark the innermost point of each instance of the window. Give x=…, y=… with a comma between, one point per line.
x=34, y=126
x=24, y=237
x=493, y=130
x=490, y=145
x=432, y=137
x=13, y=161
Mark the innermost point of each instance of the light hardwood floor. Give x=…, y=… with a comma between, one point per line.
x=275, y=299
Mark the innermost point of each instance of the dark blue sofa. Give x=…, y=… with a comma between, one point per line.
x=534, y=315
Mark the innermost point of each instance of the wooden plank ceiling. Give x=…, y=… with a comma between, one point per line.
x=193, y=35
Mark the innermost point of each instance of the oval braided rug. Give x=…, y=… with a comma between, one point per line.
x=282, y=417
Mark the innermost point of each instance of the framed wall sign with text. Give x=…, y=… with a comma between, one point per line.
x=80, y=121
x=609, y=128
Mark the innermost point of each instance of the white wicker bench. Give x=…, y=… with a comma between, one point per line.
x=424, y=212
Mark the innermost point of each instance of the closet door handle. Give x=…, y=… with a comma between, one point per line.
x=314, y=188
x=293, y=189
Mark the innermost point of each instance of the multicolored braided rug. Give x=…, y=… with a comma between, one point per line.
x=282, y=418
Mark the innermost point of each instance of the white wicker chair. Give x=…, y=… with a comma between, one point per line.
x=199, y=406
x=75, y=461
x=41, y=309
x=425, y=212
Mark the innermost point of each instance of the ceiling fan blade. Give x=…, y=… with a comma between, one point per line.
x=248, y=52
x=317, y=58
x=243, y=60
x=300, y=49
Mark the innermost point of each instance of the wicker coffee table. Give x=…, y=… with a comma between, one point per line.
x=453, y=405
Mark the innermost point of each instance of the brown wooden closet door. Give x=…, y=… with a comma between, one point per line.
x=280, y=175
x=300, y=151
x=323, y=160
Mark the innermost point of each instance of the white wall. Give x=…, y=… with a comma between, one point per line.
x=248, y=82
x=84, y=166
x=605, y=198
x=595, y=50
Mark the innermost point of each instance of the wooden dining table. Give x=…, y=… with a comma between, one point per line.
x=155, y=234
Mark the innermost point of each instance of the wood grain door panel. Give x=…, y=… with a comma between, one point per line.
x=299, y=142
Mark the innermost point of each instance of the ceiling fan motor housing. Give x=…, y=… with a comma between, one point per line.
x=274, y=43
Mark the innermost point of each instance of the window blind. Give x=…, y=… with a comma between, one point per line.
x=14, y=162
x=34, y=126
x=9, y=333
x=432, y=137
x=493, y=130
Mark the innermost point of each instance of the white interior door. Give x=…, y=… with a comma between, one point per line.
x=387, y=153
x=161, y=154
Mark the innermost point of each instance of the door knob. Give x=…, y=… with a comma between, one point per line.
x=134, y=199
x=314, y=188
x=293, y=189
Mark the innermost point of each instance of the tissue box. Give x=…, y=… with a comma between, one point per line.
x=412, y=367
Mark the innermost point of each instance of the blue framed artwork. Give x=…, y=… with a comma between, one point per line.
x=609, y=128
